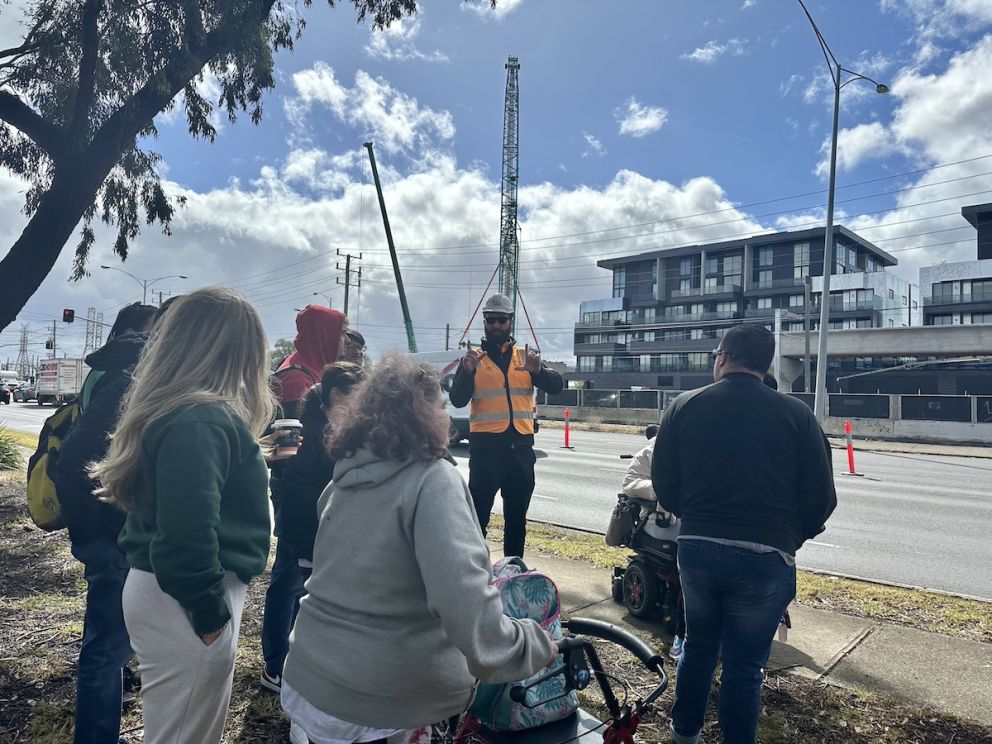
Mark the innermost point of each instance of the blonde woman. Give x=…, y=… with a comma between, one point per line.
x=401, y=618
x=185, y=465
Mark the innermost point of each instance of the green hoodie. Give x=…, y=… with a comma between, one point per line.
x=201, y=508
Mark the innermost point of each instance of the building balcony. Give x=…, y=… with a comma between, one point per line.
x=787, y=283
x=723, y=289
x=875, y=303
x=600, y=348
x=694, y=317
x=968, y=299
x=677, y=294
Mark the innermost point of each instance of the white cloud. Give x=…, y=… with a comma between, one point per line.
x=940, y=118
x=483, y=9
x=397, y=42
x=786, y=87
x=749, y=4
x=639, y=120
x=712, y=50
x=396, y=121
x=940, y=20
x=593, y=146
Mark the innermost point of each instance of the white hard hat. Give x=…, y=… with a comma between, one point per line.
x=498, y=303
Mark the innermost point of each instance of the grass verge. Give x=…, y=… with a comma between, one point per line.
x=41, y=607
x=931, y=611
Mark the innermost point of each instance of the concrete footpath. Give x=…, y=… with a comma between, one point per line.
x=950, y=674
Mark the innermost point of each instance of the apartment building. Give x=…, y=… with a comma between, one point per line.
x=960, y=293
x=670, y=307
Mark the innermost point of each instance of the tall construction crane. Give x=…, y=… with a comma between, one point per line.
x=509, y=245
x=410, y=341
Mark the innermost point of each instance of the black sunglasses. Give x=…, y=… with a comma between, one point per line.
x=718, y=352
x=497, y=319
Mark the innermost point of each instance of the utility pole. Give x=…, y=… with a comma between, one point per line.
x=89, y=344
x=407, y=320
x=806, y=302
x=347, y=275
x=23, y=361
x=447, y=336
x=54, y=355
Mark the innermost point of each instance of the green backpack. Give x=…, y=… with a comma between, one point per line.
x=43, y=497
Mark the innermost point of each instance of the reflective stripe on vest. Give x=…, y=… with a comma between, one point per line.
x=490, y=412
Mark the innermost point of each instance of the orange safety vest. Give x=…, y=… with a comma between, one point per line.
x=496, y=396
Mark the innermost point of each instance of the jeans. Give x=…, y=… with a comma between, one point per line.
x=106, y=648
x=509, y=470
x=734, y=599
x=282, y=602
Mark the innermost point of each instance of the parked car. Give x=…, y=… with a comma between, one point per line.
x=25, y=392
x=5, y=395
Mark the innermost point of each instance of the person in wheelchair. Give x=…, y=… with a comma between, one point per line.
x=655, y=526
x=654, y=521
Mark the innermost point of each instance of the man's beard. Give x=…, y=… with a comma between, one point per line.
x=498, y=336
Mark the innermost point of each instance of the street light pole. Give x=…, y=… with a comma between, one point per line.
x=145, y=283
x=820, y=399
x=836, y=76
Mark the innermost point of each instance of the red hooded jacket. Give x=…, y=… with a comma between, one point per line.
x=318, y=338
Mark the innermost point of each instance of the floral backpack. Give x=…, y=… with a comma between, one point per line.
x=525, y=594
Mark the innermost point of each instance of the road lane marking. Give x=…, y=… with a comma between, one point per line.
x=546, y=498
x=822, y=544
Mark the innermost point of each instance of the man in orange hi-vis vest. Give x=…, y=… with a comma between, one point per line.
x=499, y=380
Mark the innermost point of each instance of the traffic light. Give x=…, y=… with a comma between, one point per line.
x=49, y=344
x=68, y=315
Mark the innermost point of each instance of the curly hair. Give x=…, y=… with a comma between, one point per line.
x=397, y=413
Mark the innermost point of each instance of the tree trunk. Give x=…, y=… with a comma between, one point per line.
x=33, y=256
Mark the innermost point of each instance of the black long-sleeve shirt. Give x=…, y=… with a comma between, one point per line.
x=463, y=386
x=739, y=461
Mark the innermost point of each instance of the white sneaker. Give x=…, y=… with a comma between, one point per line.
x=296, y=734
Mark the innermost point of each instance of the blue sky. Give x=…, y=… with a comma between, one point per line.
x=667, y=123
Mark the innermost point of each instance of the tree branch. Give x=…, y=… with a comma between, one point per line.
x=22, y=117
x=166, y=84
x=87, y=70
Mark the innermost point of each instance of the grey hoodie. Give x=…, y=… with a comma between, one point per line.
x=400, y=617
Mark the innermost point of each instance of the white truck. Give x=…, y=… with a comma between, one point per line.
x=60, y=380
x=446, y=363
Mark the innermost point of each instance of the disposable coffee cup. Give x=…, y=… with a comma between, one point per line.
x=289, y=430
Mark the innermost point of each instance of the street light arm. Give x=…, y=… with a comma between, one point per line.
x=828, y=55
x=880, y=87
x=150, y=282
x=114, y=268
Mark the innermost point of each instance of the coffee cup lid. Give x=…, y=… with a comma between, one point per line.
x=286, y=424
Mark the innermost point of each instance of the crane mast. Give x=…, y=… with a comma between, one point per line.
x=509, y=246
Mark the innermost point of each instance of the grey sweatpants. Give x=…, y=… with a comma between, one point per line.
x=185, y=685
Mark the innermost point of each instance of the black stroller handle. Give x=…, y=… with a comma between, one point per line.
x=609, y=632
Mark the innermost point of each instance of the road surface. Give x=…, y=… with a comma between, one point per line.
x=25, y=416
x=920, y=520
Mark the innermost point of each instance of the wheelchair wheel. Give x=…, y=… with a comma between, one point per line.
x=640, y=590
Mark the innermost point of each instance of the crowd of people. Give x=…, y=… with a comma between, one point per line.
x=380, y=618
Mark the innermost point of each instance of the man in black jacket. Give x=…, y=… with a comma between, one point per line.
x=94, y=526
x=499, y=381
x=748, y=470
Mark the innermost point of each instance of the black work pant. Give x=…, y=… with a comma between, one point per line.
x=509, y=470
